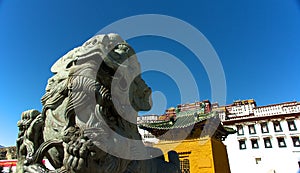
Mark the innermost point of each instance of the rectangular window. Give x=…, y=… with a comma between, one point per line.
x=277, y=126
x=268, y=143
x=281, y=142
x=292, y=125
x=264, y=127
x=185, y=166
x=296, y=141
x=240, y=130
x=252, y=129
x=254, y=143
x=242, y=144
x=257, y=160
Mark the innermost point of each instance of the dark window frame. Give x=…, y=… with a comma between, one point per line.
x=185, y=166
x=275, y=124
x=269, y=141
x=262, y=125
x=279, y=140
x=249, y=128
x=241, y=143
x=238, y=128
x=253, y=142
x=258, y=160
x=296, y=139
x=290, y=123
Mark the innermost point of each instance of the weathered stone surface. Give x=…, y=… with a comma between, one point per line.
x=88, y=121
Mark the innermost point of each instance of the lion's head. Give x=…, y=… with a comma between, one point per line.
x=104, y=71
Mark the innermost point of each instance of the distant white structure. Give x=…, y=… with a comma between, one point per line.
x=147, y=119
x=267, y=138
x=147, y=137
x=238, y=109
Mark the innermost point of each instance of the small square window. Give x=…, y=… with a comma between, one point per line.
x=254, y=143
x=277, y=126
x=292, y=125
x=257, y=160
x=268, y=143
x=296, y=141
x=281, y=142
x=264, y=127
x=252, y=129
x=240, y=130
x=242, y=144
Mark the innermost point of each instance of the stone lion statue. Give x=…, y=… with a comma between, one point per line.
x=88, y=120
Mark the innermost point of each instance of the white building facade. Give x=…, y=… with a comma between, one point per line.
x=147, y=137
x=267, y=138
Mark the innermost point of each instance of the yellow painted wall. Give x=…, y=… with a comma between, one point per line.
x=207, y=155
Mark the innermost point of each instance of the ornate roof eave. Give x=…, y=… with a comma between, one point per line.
x=191, y=125
x=180, y=122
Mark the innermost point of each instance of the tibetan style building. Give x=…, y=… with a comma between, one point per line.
x=197, y=137
x=267, y=138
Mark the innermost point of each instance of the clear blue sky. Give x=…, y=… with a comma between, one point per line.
x=258, y=43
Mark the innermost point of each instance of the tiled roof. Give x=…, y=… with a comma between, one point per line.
x=189, y=126
x=182, y=121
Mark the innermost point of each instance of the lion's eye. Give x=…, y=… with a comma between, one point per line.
x=123, y=83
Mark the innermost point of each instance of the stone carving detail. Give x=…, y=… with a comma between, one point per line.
x=29, y=137
x=88, y=120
